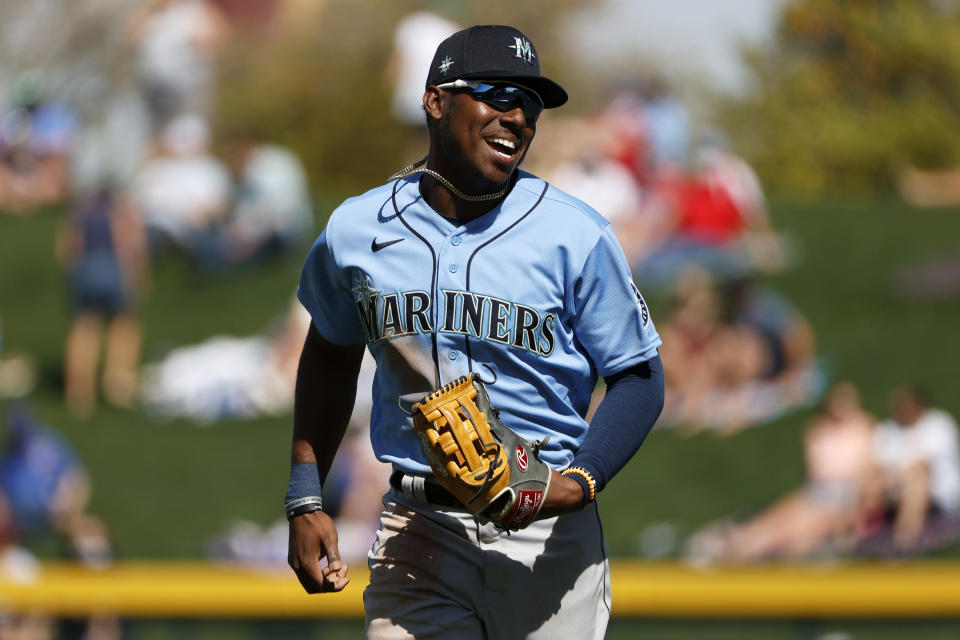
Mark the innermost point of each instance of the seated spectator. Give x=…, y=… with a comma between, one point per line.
x=103, y=248
x=584, y=157
x=184, y=190
x=918, y=466
x=226, y=377
x=591, y=167
x=823, y=514
x=44, y=488
x=734, y=356
x=36, y=138
x=606, y=185
x=271, y=211
x=771, y=337
x=719, y=222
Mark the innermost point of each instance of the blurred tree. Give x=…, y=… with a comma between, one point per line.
x=850, y=91
x=314, y=80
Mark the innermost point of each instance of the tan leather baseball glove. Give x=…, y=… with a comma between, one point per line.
x=494, y=472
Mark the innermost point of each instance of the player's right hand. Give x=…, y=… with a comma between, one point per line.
x=313, y=536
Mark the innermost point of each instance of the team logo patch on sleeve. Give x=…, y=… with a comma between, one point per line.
x=644, y=311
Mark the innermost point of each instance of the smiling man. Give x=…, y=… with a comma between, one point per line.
x=465, y=266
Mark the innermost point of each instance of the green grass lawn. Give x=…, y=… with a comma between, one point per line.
x=165, y=488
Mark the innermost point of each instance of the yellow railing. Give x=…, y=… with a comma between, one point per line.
x=198, y=590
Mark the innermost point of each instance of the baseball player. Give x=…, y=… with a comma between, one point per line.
x=492, y=302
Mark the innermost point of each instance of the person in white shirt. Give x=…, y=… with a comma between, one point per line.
x=917, y=455
x=185, y=189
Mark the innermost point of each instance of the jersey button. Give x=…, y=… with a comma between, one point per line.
x=453, y=268
x=453, y=355
x=456, y=240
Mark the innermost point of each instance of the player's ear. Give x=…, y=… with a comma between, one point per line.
x=433, y=102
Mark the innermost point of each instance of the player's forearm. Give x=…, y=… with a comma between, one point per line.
x=323, y=400
x=631, y=406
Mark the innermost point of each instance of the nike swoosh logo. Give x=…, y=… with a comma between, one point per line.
x=376, y=246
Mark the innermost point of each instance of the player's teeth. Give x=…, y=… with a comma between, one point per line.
x=509, y=144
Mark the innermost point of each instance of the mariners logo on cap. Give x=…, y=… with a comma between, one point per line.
x=445, y=65
x=644, y=312
x=524, y=49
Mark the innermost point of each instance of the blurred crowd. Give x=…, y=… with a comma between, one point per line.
x=873, y=488
x=131, y=164
x=141, y=179
x=692, y=218
x=142, y=183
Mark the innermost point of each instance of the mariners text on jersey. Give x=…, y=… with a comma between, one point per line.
x=484, y=317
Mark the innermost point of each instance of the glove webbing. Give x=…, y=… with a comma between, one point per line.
x=491, y=450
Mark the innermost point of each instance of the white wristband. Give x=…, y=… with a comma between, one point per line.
x=303, y=505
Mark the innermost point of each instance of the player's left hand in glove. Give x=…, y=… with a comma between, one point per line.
x=494, y=472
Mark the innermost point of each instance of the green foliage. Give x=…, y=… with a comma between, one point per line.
x=850, y=91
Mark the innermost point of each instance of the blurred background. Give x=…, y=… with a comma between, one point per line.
x=784, y=176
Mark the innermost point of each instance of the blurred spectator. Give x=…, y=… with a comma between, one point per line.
x=593, y=177
x=271, y=211
x=44, y=488
x=668, y=124
x=184, y=190
x=36, y=138
x=720, y=222
x=415, y=40
x=228, y=378
x=724, y=171
x=628, y=142
x=822, y=516
x=771, y=336
x=586, y=157
x=918, y=465
x=113, y=140
x=103, y=247
x=734, y=356
x=176, y=44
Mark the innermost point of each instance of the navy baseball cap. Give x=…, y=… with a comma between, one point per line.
x=493, y=52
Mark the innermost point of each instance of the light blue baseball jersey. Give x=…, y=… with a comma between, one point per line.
x=535, y=292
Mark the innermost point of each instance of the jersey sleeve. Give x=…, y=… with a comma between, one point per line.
x=325, y=293
x=612, y=319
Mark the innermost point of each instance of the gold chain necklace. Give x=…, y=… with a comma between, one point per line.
x=418, y=167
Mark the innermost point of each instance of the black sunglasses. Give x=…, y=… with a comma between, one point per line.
x=501, y=97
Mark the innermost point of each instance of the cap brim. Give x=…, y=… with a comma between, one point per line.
x=552, y=94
